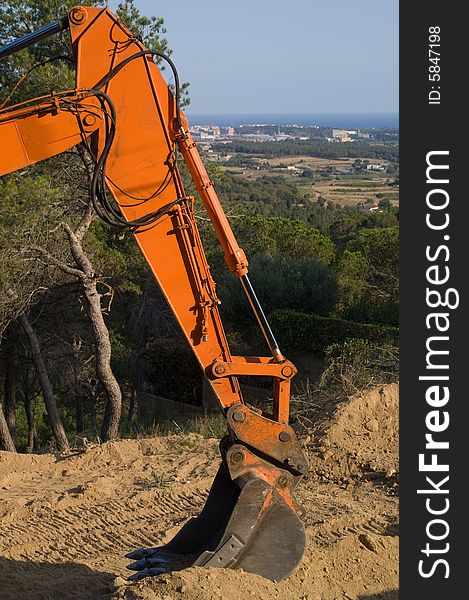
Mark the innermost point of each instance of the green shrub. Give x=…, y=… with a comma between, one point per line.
x=280, y=282
x=302, y=332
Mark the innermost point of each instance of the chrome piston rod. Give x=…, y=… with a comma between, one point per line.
x=261, y=318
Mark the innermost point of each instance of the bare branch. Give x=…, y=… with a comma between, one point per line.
x=89, y=213
x=109, y=293
x=58, y=263
x=78, y=253
x=85, y=221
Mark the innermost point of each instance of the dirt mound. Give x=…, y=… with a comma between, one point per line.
x=67, y=522
x=362, y=438
x=346, y=571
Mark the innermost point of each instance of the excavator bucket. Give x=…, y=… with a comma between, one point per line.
x=245, y=524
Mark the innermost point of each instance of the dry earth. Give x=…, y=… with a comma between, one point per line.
x=67, y=522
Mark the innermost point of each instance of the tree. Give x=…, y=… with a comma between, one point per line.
x=352, y=272
x=52, y=197
x=29, y=393
x=6, y=441
x=385, y=204
x=52, y=411
x=379, y=250
x=301, y=284
x=380, y=247
x=278, y=235
x=10, y=384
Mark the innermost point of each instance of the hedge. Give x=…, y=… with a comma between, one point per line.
x=310, y=333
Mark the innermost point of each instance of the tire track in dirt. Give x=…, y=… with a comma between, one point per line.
x=87, y=531
x=326, y=537
x=67, y=522
x=329, y=520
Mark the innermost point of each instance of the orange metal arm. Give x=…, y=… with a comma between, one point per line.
x=142, y=176
x=29, y=134
x=234, y=255
x=138, y=163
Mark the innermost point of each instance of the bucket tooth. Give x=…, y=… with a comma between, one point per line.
x=147, y=553
x=156, y=561
x=147, y=572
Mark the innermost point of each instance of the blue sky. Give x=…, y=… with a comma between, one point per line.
x=284, y=56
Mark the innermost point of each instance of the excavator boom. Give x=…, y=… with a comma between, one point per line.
x=124, y=114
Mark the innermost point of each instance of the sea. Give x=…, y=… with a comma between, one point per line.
x=336, y=120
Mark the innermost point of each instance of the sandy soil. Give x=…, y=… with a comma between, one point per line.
x=67, y=522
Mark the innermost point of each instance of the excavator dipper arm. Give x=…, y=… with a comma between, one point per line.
x=123, y=111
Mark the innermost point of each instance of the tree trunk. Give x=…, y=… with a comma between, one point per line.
x=80, y=415
x=137, y=385
x=29, y=394
x=78, y=391
x=51, y=406
x=86, y=274
x=112, y=413
x=32, y=431
x=93, y=411
x=132, y=404
x=10, y=389
x=6, y=440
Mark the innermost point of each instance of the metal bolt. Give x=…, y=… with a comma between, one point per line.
x=78, y=15
x=237, y=456
x=219, y=369
x=282, y=481
x=287, y=371
x=239, y=416
x=284, y=436
x=89, y=120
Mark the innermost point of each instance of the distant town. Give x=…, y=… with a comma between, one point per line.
x=328, y=166
x=264, y=132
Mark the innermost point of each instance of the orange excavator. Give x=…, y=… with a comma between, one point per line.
x=126, y=116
